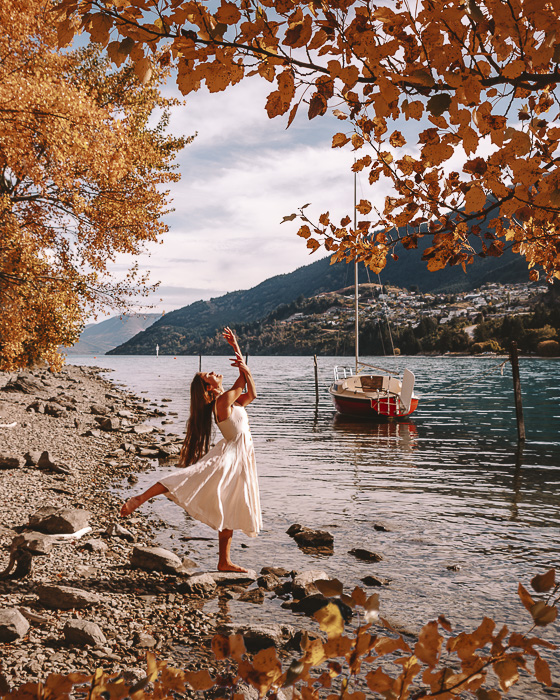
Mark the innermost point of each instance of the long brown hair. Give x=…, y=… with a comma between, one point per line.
x=199, y=425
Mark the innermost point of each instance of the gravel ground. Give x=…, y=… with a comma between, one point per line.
x=137, y=610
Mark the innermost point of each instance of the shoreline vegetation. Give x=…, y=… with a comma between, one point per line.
x=83, y=592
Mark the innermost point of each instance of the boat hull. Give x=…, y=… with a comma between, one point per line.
x=365, y=407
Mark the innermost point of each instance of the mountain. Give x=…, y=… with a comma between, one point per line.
x=178, y=330
x=99, y=338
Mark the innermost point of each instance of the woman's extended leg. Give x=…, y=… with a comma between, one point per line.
x=224, y=545
x=133, y=503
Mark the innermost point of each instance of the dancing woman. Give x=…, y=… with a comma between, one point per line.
x=218, y=487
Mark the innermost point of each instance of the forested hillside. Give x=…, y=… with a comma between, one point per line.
x=180, y=331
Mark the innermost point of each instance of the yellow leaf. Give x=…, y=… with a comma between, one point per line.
x=475, y=199
x=513, y=69
x=65, y=33
x=199, y=680
x=329, y=618
x=339, y=140
x=397, y=139
x=228, y=13
x=543, y=614
x=542, y=671
x=331, y=588
x=429, y=643
x=506, y=671
x=143, y=69
x=526, y=599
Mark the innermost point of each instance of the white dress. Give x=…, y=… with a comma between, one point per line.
x=222, y=489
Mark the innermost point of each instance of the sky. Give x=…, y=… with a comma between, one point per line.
x=239, y=177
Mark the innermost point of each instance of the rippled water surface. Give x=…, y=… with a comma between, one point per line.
x=449, y=484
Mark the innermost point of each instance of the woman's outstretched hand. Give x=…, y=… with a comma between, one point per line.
x=241, y=366
x=230, y=338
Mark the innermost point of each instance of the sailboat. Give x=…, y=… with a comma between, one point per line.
x=376, y=396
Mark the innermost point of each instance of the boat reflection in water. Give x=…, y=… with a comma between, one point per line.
x=395, y=436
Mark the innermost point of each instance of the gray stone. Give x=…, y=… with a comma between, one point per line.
x=142, y=429
x=304, y=583
x=54, y=409
x=98, y=409
x=94, y=545
x=82, y=632
x=116, y=530
x=233, y=578
x=275, y=570
x=269, y=582
x=36, y=407
x=32, y=542
x=155, y=559
x=255, y=595
x=9, y=460
x=32, y=458
x=13, y=625
x=262, y=636
x=166, y=451
x=59, y=521
x=142, y=640
x=93, y=433
x=202, y=585
x=307, y=538
x=375, y=581
x=66, y=597
x=108, y=424
x=365, y=555
x=24, y=383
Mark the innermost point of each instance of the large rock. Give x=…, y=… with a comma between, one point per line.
x=202, y=585
x=54, y=409
x=59, y=521
x=117, y=530
x=13, y=625
x=82, y=632
x=365, y=555
x=262, y=636
x=108, y=423
x=98, y=409
x=304, y=583
x=66, y=597
x=308, y=538
x=156, y=559
x=33, y=542
x=24, y=383
x=233, y=578
x=8, y=460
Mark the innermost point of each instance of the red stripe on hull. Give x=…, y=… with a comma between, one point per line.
x=371, y=407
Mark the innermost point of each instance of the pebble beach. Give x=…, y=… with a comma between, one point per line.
x=80, y=588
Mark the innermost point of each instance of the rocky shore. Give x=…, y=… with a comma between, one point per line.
x=80, y=589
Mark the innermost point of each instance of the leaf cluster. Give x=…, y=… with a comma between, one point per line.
x=449, y=101
x=438, y=665
x=82, y=181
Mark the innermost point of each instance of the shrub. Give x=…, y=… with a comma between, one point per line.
x=549, y=348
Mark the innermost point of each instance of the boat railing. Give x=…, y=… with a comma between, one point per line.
x=341, y=372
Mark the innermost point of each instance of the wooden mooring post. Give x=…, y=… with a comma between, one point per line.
x=316, y=379
x=514, y=359
x=200, y=363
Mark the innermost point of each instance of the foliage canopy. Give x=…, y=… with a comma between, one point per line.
x=450, y=100
x=82, y=176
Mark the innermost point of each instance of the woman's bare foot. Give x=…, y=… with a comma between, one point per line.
x=130, y=506
x=230, y=566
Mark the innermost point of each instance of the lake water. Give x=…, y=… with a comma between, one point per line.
x=449, y=483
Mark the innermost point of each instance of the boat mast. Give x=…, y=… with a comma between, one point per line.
x=356, y=310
